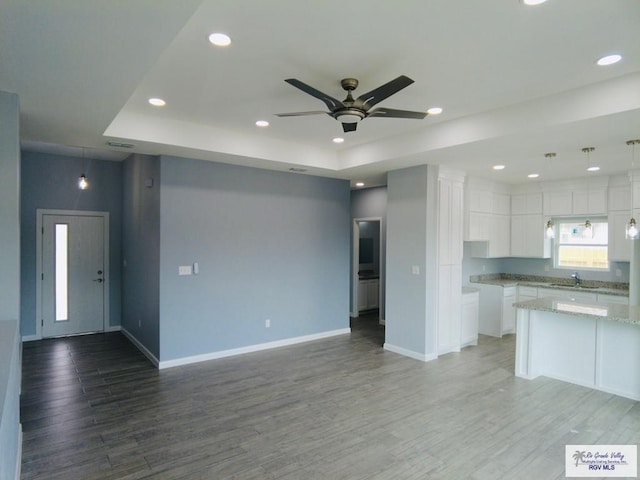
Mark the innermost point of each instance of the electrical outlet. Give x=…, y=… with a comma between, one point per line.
x=185, y=270
x=267, y=323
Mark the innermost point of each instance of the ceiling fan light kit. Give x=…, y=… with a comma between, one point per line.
x=350, y=112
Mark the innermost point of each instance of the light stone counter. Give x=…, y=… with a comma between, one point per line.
x=602, y=310
x=594, y=344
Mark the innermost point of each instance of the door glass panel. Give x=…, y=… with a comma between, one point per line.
x=62, y=271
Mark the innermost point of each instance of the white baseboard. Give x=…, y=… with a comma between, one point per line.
x=31, y=338
x=250, y=349
x=145, y=351
x=113, y=328
x=409, y=353
x=19, y=453
x=382, y=322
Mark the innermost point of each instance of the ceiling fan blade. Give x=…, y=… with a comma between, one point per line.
x=349, y=127
x=331, y=102
x=299, y=114
x=369, y=99
x=393, y=113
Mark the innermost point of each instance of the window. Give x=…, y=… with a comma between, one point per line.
x=62, y=271
x=576, y=249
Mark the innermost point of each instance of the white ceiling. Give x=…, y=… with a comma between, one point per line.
x=515, y=82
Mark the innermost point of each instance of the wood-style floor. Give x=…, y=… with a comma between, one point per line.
x=340, y=408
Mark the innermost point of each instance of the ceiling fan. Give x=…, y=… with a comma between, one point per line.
x=349, y=112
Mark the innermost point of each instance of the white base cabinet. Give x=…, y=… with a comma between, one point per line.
x=497, y=316
x=368, y=296
x=469, y=320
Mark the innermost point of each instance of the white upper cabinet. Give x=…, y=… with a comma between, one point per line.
x=526, y=204
x=557, y=203
x=590, y=202
x=620, y=198
x=528, y=237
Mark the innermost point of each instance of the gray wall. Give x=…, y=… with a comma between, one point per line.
x=270, y=245
x=368, y=203
x=534, y=266
x=412, y=241
x=51, y=182
x=9, y=284
x=9, y=207
x=141, y=250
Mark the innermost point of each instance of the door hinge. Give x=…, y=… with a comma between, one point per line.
x=42, y=228
x=42, y=322
x=42, y=276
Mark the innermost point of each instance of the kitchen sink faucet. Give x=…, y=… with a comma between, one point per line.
x=576, y=279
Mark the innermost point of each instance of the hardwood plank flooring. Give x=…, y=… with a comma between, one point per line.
x=93, y=407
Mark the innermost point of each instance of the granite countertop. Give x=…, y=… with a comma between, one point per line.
x=609, y=311
x=508, y=280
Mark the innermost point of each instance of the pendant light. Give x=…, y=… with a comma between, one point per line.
x=83, y=181
x=588, y=229
x=631, y=229
x=549, y=230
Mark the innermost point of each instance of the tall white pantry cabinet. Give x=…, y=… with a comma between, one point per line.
x=450, y=243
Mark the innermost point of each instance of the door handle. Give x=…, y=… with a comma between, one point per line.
x=99, y=280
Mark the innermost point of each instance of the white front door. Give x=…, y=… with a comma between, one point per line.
x=73, y=274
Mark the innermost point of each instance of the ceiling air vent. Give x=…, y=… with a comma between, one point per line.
x=299, y=170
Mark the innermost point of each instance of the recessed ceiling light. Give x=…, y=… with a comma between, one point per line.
x=262, y=123
x=338, y=140
x=157, y=102
x=533, y=175
x=359, y=184
x=533, y=2
x=220, y=39
x=498, y=167
x=609, y=60
x=593, y=169
x=434, y=111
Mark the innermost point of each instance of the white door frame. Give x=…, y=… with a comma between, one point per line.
x=355, y=263
x=40, y=213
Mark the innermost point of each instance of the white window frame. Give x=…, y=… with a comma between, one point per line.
x=558, y=244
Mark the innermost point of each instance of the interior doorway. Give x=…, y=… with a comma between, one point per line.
x=367, y=277
x=72, y=253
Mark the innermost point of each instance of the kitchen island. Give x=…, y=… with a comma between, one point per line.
x=593, y=344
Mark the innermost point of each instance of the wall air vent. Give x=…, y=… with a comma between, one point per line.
x=298, y=170
x=113, y=143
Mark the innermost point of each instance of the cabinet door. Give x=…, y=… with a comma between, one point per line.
x=589, y=202
x=557, y=203
x=602, y=297
x=499, y=236
x=519, y=232
x=373, y=293
x=362, y=295
x=469, y=319
x=619, y=247
x=501, y=204
x=620, y=198
x=508, y=314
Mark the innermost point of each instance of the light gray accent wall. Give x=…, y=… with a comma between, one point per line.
x=51, y=182
x=141, y=250
x=412, y=241
x=368, y=203
x=9, y=207
x=535, y=266
x=10, y=369
x=269, y=245
x=477, y=266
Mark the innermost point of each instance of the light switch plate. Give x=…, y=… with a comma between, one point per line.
x=184, y=270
